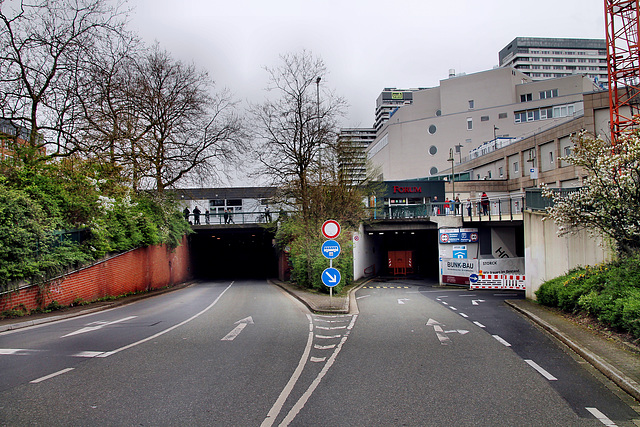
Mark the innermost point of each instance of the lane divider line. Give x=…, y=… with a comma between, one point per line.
x=541, y=370
x=55, y=374
x=154, y=336
x=601, y=417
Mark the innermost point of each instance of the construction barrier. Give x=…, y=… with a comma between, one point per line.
x=499, y=281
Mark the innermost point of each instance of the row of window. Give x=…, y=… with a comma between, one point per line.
x=544, y=113
x=516, y=164
x=580, y=60
x=569, y=52
x=543, y=94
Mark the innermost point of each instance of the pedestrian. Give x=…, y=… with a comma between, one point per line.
x=468, y=206
x=484, y=202
x=436, y=209
x=186, y=213
x=207, y=215
x=267, y=214
x=196, y=216
x=457, y=205
x=447, y=206
x=226, y=216
x=231, y=216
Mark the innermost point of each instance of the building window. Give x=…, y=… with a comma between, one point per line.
x=500, y=172
x=433, y=150
x=567, y=151
x=516, y=167
x=433, y=170
x=432, y=129
x=526, y=97
x=489, y=174
x=551, y=157
x=471, y=103
x=484, y=118
x=469, y=123
x=502, y=115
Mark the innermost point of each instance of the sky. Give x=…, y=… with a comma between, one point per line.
x=367, y=45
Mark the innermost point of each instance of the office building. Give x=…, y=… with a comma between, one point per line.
x=546, y=58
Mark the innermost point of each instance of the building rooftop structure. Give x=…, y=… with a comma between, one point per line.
x=546, y=58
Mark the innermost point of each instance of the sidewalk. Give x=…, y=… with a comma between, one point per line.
x=618, y=361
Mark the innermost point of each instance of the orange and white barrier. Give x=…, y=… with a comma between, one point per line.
x=499, y=281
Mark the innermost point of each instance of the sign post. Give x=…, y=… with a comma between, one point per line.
x=330, y=249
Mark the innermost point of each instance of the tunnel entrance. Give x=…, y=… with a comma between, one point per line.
x=233, y=253
x=422, y=243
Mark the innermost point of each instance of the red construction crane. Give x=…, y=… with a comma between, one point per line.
x=623, y=61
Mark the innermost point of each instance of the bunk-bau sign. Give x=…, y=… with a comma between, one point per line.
x=330, y=249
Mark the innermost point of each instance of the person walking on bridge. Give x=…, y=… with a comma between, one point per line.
x=196, y=216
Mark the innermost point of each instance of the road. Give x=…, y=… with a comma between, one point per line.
x=245, y=353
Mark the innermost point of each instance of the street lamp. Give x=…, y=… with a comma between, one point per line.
x=453, y=176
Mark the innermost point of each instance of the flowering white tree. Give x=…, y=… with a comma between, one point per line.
x=609, y=200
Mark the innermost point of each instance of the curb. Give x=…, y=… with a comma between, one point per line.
x=124, y=301
x=627, y=384
x=351, y=305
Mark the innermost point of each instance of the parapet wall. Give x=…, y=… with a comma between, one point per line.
x=141, y=269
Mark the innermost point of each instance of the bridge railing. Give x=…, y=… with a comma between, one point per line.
x=496, y=208
x=238, y=217
x=535, y=201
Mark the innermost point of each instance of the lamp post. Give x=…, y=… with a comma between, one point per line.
x=453, y=176
x=318, y=120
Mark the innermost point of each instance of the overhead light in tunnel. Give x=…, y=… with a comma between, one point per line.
x=381, y=233
x=370, y=234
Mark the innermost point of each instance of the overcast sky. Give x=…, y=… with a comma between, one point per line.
x=367, y=45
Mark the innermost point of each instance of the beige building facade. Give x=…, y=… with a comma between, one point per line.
x=465, y=112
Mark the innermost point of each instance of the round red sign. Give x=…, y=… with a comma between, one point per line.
x=330, y=229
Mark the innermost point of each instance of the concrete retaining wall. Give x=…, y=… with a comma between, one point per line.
x=548, y=256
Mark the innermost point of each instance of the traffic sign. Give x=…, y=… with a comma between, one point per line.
x=331, y=229
x=473, y=278
x=331, y=277
x=331, y=249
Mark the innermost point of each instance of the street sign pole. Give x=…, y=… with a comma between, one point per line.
x=330, y=249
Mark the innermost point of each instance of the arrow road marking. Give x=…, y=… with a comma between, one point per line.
x=236, y=331
x=100, y=325
x=402, y=300
x=476, y=301
x=441, y=333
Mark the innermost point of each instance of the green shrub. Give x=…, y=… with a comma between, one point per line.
x=609, y=292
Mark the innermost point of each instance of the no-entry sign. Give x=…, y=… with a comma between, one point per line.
x=330, y=229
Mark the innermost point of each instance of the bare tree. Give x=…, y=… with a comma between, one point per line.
x=295, y=127
x=193, y=131
x=44, y=46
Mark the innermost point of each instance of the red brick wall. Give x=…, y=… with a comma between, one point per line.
x=141, y=269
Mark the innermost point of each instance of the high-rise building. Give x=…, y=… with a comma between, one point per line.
x=352, y=143
x=389, y=101
x=546, y=58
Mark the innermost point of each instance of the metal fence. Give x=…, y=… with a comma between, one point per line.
x=497, y=208
x=238, y=217
x=535, y=201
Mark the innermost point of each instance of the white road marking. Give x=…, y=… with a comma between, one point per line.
x=324, y=347
x=453, y=308
x=501, y=340
x=234, y=333
x=286, y=391
x=88, y=354
x=479, y=324
x=601, y=417
x=470, y=295
x=16, y=352
x=326, y=337
x=363, y=296
x=445, y=303
x=444, y=340
x=329, y=328
x=476, y=301
x=402, y=300
x=99, y=325
x=55, y=374
x=307, y=394
x=318, y=359
x=154, y=336
x=541, y=370
x=463, y=315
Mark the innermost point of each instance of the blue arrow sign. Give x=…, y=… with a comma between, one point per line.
x=330, y=277
x=473, y=278
x=331, y=249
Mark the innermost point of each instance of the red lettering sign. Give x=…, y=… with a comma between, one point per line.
x=397, y=189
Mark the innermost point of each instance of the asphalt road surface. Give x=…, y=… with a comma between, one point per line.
x=245, y=353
